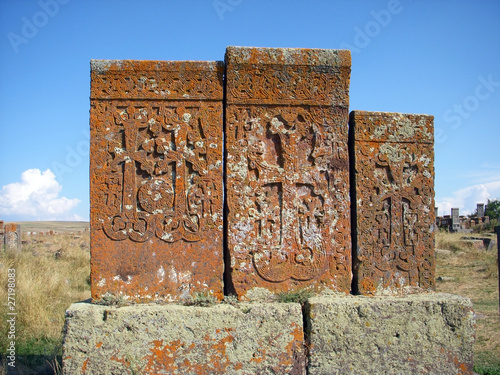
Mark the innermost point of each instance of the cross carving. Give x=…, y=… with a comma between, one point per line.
x=300, y=253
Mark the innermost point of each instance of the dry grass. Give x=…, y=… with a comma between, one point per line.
x=473, y=273
x=50, y=275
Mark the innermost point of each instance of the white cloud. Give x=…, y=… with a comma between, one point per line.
x=466, y=199
x=36, y=197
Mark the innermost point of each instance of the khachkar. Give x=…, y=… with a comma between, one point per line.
x=12, y=236
x=393, y=174
x=156, y=179
x=287, y=169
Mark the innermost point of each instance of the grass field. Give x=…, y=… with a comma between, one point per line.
x=465, y=270
x=62, y=227
x=53, y=271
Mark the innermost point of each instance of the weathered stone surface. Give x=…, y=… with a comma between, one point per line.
x=480, y=210
x=455, y=219
x=12, y=237
x=416, y=334
x=497, y=230
x=287, y=169
x=2, y=238
x=174, y=339
x=393, y=161
x=156, y=179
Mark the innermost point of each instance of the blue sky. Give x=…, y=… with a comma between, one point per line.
x=434, y=57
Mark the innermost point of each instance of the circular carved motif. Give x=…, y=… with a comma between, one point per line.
x=156, y=196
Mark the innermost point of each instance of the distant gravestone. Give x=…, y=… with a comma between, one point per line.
x=480, y=210
x=12, y=233
x=156, y=179
x=2, y=238
x=393, y=162
x=497, y=230
x=455, y=219
x=287, y=169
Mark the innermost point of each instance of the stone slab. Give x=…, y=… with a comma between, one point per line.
x=12, y=237
x=392, y=161
x=175, y=339
x=2, y=237
x=417, y=334
x=455, y=219
x=480, y=210
x=156, y=179
x=287, y=169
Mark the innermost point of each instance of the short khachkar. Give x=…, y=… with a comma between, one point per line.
x=266, y=135
x=393, y=174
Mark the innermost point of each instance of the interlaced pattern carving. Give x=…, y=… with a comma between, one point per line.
x=155, y=178
x=394, y=190
x=287, y=168
x=293, y=165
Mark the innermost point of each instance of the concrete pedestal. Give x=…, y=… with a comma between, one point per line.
x=418, y=334
x=174, y=339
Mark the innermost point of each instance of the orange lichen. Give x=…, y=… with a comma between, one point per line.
x=166, y=358
x=287, y=169
x=394, y=193
x=84, y=366
x=463, y=368
x=124, y=361
x=156, y=179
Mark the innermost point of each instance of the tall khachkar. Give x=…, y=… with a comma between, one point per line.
x=287, y=169
x=392, y=158
x=156, y=179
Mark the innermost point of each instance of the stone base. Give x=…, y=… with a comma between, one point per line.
x=173, y=339
x=418, y=334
